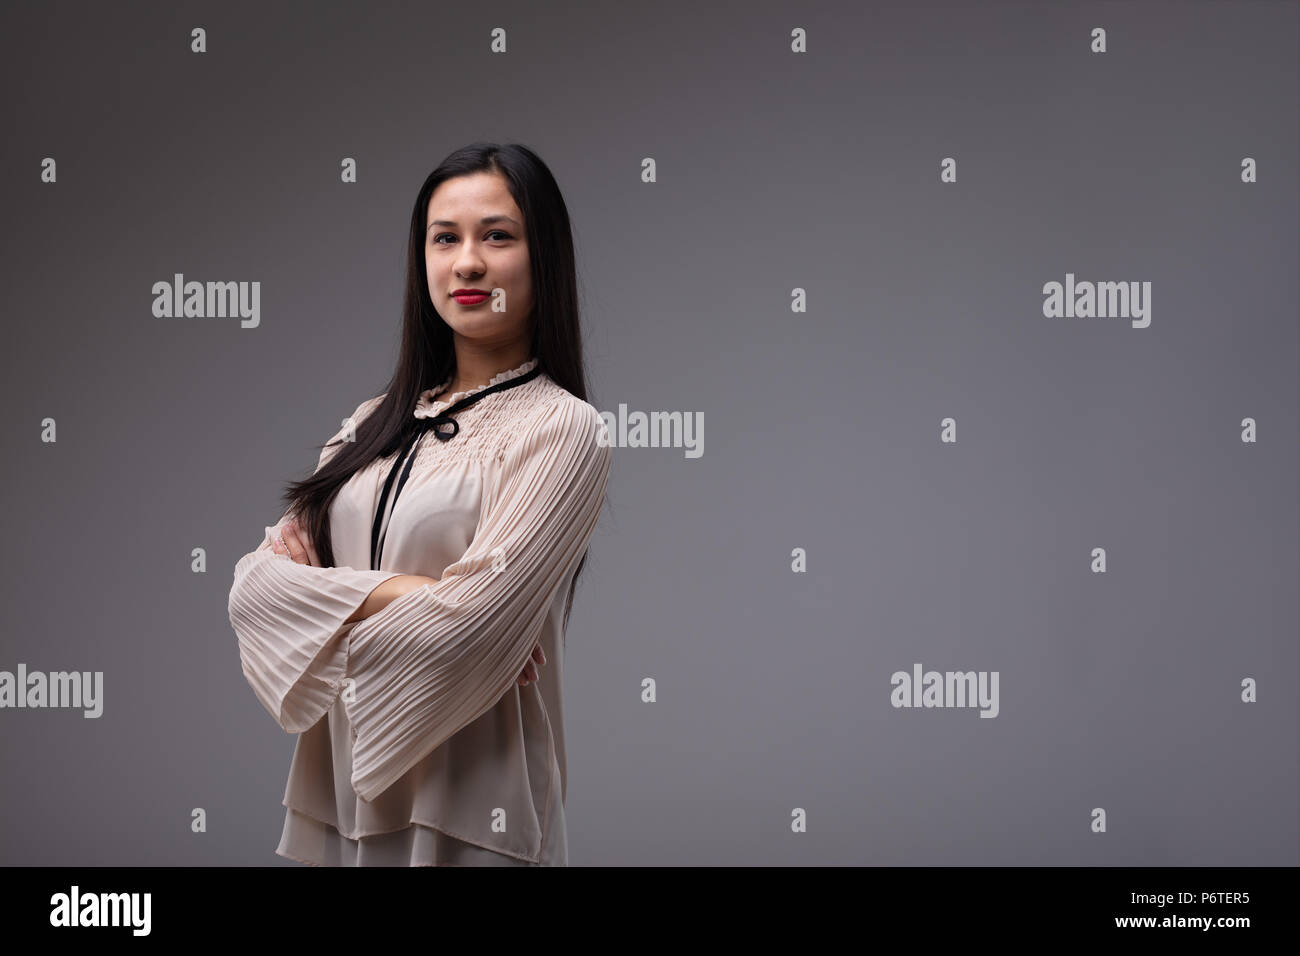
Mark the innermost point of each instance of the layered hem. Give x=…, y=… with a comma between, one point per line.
x=315, y=843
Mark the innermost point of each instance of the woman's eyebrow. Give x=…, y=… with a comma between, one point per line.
x=486, y=220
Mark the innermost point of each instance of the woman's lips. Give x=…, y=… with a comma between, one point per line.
x=471, y=298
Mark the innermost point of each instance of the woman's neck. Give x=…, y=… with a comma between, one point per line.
x=476, y=371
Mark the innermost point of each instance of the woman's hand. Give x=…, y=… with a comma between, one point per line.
x=529, y=673
x=294, y=541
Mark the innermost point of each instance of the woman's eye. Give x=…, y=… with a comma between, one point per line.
x=447, y=235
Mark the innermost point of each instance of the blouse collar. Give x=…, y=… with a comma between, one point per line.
x=427, y=407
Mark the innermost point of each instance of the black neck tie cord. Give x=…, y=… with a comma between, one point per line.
x=433, y=424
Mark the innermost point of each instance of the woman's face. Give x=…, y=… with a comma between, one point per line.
x=474, y=239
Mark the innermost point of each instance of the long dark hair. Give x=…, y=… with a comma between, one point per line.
x=428, y=355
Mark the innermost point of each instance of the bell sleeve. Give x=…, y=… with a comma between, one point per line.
x=289, y=620
x=437, y=658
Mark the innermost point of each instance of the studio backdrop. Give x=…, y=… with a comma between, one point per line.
x=948, y=350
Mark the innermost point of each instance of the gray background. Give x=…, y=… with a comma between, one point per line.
x=776, y=171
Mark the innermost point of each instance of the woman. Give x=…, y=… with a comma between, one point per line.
x=398, y=618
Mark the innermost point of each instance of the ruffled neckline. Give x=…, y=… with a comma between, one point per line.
x=426, y=406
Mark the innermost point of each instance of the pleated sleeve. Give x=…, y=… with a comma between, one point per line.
x=289, y=621
x=439, y=657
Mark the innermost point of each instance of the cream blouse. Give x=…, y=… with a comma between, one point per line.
x=416, y=746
